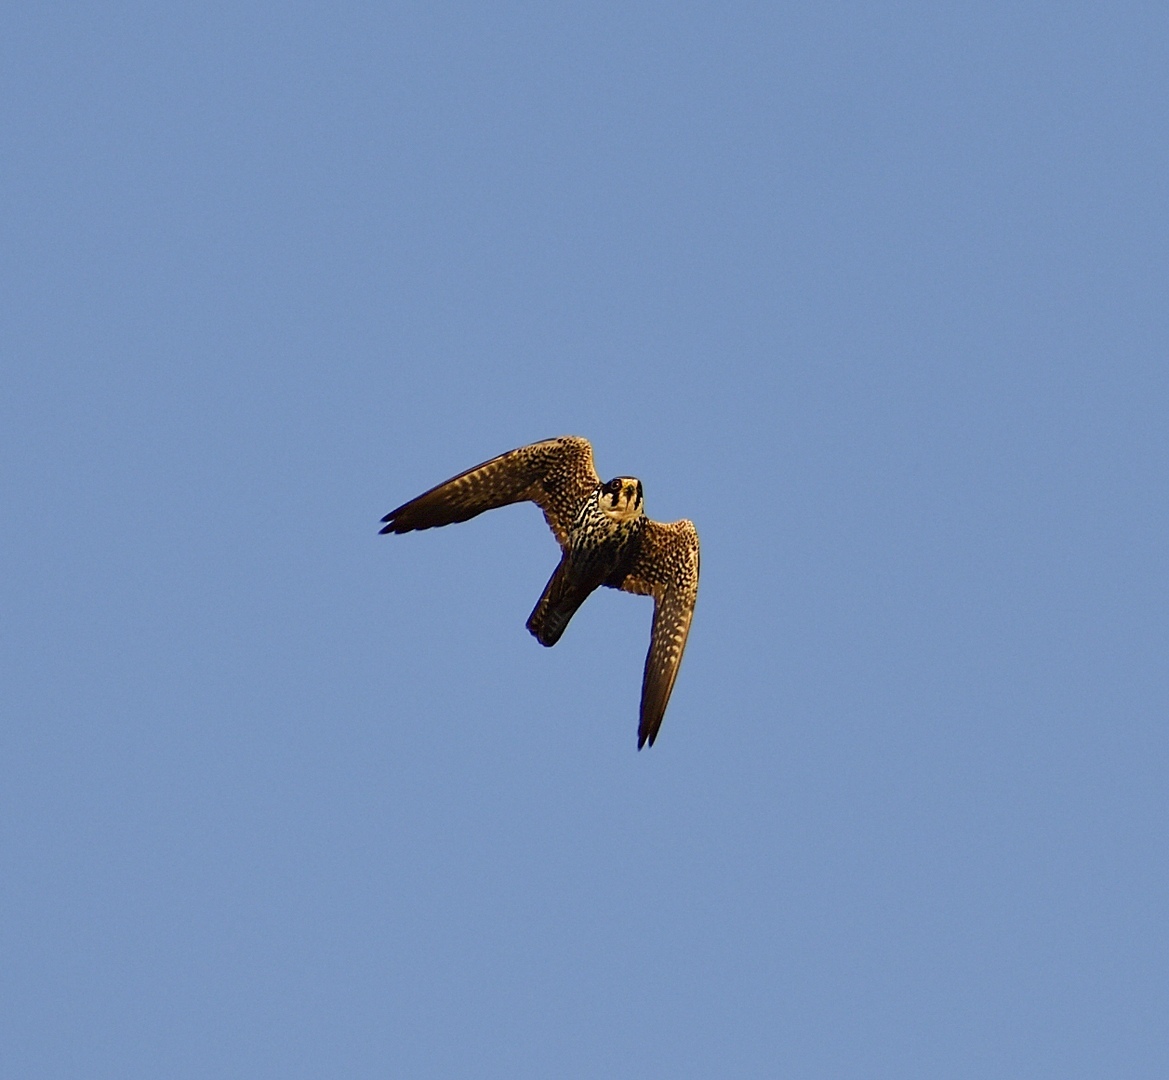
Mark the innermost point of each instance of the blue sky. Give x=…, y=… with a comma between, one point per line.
x=875, y=294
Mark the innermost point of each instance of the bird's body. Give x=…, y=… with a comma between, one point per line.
x=601, y=543
x=605, y=539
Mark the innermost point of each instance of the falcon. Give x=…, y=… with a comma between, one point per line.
x=605, y=539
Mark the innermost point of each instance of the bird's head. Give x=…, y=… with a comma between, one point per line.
x=621, y=498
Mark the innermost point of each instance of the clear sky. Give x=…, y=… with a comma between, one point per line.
x=876, y=294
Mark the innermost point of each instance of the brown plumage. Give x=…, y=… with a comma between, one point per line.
x=605, y=539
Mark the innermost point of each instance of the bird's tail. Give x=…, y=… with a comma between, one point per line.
x=563, y=594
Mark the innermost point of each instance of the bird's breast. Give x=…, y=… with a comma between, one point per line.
x=600, y=544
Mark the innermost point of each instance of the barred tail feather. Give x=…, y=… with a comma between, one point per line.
x=562, y=596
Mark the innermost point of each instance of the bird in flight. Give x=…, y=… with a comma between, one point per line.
x=605, y=539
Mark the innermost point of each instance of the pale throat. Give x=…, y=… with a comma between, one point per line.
x=622, y=506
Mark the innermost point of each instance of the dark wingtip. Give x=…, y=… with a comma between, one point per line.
x=393, y=522
x=387, y=529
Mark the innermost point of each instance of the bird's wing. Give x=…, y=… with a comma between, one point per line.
x=557, y=475
x=666, y=568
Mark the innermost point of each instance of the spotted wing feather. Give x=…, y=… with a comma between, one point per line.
x=666, y=568
x=557, y=475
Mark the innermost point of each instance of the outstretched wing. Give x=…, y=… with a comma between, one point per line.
x=557, y=475
x=666, y=568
